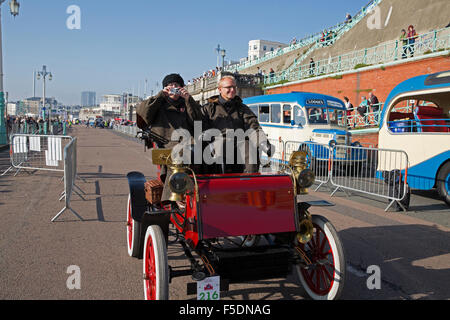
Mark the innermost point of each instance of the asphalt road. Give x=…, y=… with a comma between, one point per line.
x=38, y=257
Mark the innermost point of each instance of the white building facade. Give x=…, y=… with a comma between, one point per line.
x=11, y=108
x=112, y=103
x=258, y=48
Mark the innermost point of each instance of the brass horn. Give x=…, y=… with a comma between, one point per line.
x=306, y=230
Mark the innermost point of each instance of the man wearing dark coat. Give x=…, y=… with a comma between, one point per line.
x=170, y=110
x=227, y=112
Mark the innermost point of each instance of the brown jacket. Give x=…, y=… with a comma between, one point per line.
x=233, y=114
x=165, y=116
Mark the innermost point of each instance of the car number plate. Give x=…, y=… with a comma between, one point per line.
x=209, y=288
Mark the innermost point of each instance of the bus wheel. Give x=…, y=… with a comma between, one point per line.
x=443, y=183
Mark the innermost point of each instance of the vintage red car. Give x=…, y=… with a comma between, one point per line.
x=244, y=227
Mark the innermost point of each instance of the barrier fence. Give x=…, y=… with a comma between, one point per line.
x=372, y=171
x=377, y=172
x=37, y=152
x=129, y=130
x=70, y=174
x=318, y=158
x=36, y=128
x=47, y=153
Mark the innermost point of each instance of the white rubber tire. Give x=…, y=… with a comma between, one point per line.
x=155, y=265
x=332, y=246
x=134, y=239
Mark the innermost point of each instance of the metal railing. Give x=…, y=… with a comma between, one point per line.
x=435, y=41
x=129, y=130
x=319, y=164
x=70, y=174
x=36, y=128
x=314, y=39
x=368, y=119
x=37, y=152
x=367, y=170
x=376, y=172
x=211, y=83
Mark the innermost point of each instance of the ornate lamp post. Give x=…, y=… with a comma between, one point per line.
x=222, y=53
x=43, y=74
x=14, y=7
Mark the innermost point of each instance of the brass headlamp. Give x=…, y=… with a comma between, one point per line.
x=304, y=177
x=179, y=180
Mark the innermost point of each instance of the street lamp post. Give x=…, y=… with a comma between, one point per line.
x=14, y=7
x=43, y=73
x=218, y=52
x=222, y=53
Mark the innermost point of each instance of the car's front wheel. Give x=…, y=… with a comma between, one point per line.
x=155, y=265
x=324, y=275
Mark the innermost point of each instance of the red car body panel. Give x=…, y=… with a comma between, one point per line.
x=236, y=205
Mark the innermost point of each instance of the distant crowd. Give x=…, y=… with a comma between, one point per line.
x=207, y=74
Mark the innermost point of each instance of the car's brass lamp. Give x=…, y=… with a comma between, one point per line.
x=304, y=177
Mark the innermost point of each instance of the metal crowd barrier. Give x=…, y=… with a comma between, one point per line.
x=129, y=130
x=276, y=158
x=318, y=158
x=376, y=172
x=70, y=174
x=37, y=152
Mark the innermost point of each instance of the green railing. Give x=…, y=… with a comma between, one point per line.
x=311, y=40
x=369, y=119
x=435, y=41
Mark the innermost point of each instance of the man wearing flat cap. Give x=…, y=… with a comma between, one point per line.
x=171, y=109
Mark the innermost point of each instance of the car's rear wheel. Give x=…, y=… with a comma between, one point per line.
x=324, y=277
x=134, y=241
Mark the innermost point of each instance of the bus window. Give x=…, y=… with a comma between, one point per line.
x=287, y=114
x=336, y=117
x=264, y=113
x=419, y=116
x=317, y=115
x=299, y=116
x=275, y=113
x=254, y=108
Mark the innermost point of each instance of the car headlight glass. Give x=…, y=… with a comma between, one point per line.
x=179, y=182
x=306, y=178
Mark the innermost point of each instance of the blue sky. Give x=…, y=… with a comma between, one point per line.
x=122, y=43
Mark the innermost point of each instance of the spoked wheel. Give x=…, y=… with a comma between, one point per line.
x=155, y=265
x=134, y=239
x=324, y=278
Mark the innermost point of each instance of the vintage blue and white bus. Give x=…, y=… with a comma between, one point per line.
x=313, y=118
x=416, y=119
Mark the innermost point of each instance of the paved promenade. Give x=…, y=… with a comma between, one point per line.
x=413, y=253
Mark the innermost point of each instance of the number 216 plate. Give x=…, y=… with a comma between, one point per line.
x=209, y=289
